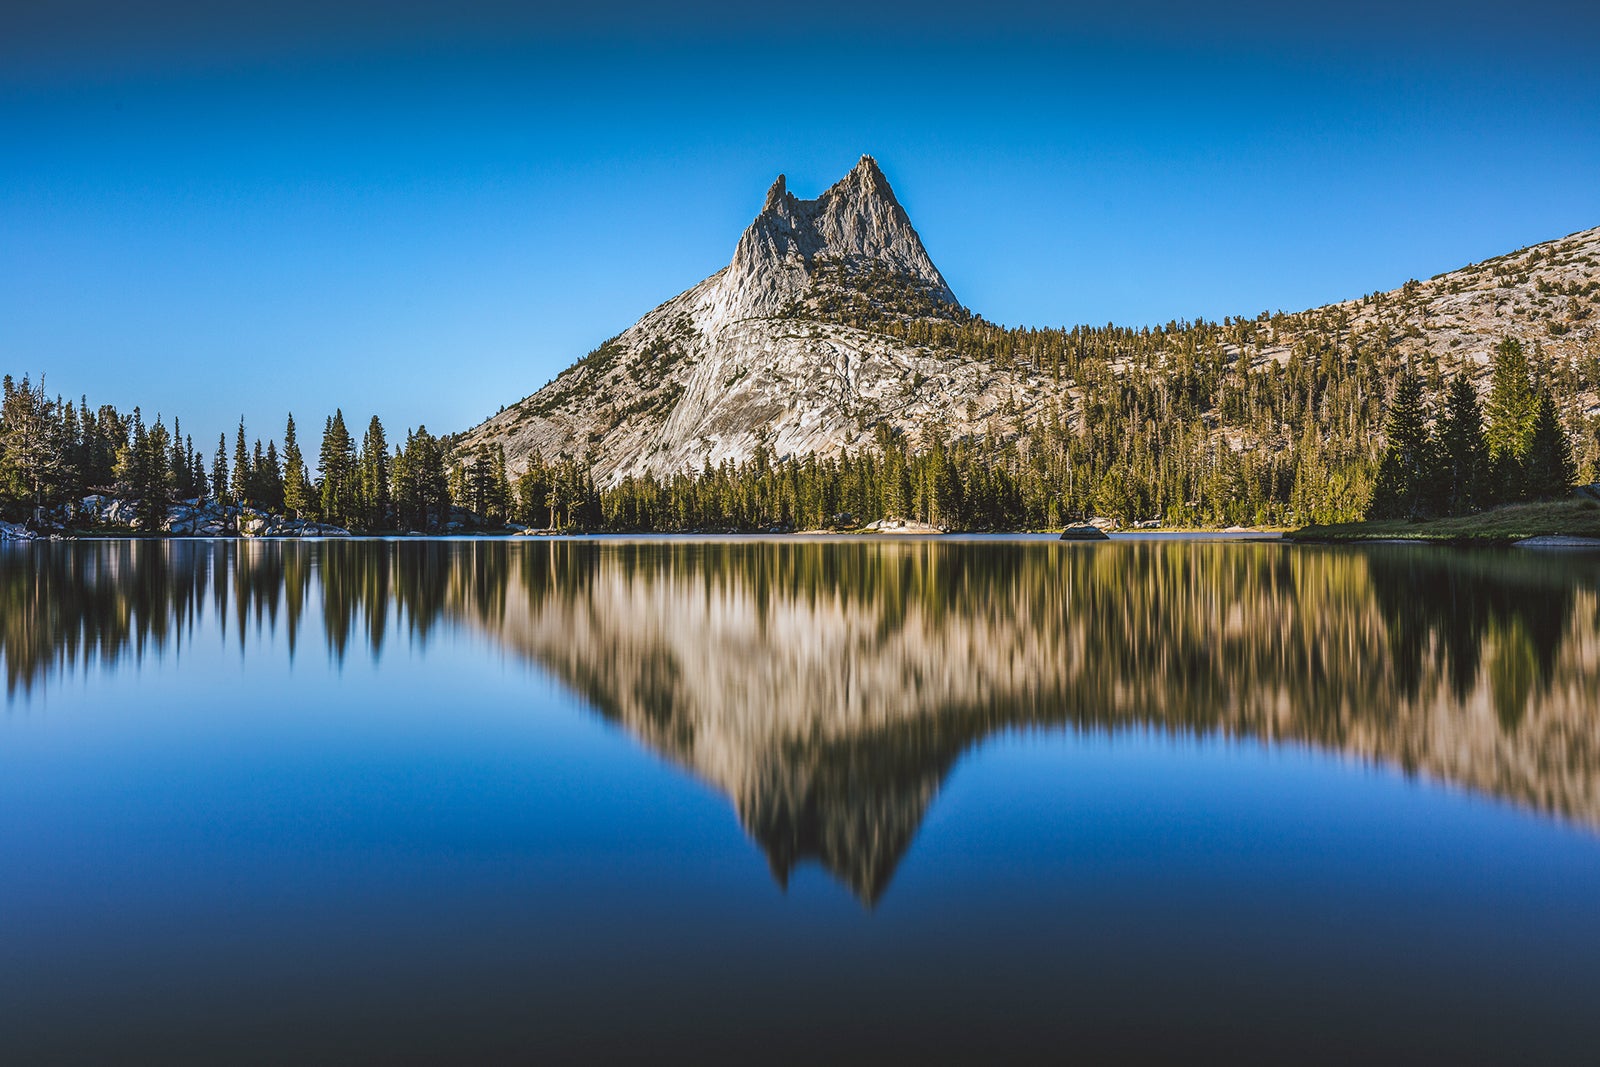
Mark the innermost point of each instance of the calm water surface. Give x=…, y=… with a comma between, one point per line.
x=544, y=801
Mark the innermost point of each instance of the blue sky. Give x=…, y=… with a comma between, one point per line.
x=393, y=209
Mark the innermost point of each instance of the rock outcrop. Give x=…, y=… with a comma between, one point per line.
x=199, y=518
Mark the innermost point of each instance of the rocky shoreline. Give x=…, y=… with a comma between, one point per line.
x=195, y=518
x=103, y=515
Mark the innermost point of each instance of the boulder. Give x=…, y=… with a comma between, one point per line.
x=901, y=526
x=1084, y=531
x=121, y=512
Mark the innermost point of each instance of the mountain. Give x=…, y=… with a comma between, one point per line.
x=747, y=357
x=832, y=322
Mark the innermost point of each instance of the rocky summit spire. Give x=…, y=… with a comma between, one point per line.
x=778, y=352
x=776, y=195
x=855, y=226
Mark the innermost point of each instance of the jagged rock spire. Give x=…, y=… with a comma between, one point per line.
x=857, y=222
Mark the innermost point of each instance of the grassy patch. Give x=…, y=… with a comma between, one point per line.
x=1578, y=517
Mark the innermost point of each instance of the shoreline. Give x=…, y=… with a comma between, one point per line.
x=1570, y=523
x=970, y=536
x=1561, y=525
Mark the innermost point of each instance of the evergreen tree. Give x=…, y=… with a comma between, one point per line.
x=197, y=465
x=297, y=498
x=240, y=485
x=420, y=482
x=178, y=462
x=1549, y=468
x=1407, y=466
x=1465, y=473
x=270, y=478
x=157, y=474
x=337, y=463
x=219, y=470
x=501, y=500
x=32, y=444
x=1511, y=409
x=374, y=477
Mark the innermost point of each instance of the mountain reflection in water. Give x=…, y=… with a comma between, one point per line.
x=828, y=687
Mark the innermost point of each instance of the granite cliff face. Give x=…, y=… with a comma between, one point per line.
x=742, y=359
x=856, y=227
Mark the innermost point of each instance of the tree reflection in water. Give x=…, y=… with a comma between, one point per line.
x=827, y=687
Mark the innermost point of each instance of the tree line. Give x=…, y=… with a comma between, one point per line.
x=54, y=452
x=1187, y=424
x=1511, y=450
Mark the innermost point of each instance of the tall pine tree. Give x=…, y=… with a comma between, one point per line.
x=1548, y=469
x=219, y=470
x=1407, y=467
x=337, y=462
x=1465, y=474
x=297, y=499
x=1511, y=409
x=240, y=485
x=374, y=477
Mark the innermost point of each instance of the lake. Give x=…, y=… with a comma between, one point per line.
x=798, y=800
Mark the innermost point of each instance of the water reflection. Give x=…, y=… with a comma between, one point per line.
x=828, y=688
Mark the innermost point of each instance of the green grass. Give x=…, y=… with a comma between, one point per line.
x=1578, y=517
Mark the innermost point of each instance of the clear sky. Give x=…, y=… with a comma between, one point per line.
x=426, y=211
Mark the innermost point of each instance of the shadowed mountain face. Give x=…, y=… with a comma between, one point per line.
x=828, y=687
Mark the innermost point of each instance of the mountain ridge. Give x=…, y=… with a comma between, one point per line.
x=831, y=321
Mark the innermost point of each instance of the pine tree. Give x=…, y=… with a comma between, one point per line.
x=270, y=476
x=219, y=470
x=296, y=482
x=32, y=449
x=501, y=498
x=1511, y=409
x=1463, y=451
x=178, y=462
x=240, y=486
x=374, y=476
x=197, y=464
x=157, y=476
x=337, y=463
x=1407, y=465
x=1549, y=469
x=420, y=483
